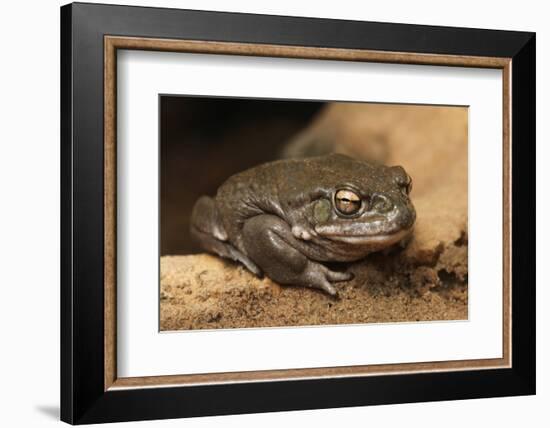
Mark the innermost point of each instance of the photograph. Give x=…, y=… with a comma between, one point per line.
x=288, y=212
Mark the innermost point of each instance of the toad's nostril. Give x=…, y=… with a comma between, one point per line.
x=381, y=203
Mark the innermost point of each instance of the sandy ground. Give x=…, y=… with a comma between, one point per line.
x=202, y=291
x=425, y=281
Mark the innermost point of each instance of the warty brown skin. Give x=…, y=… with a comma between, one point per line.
x=285, y=218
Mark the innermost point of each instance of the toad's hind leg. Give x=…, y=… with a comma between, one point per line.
x=208, y=231
x=269, y=241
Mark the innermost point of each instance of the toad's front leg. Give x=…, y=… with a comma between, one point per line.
x=269, y=242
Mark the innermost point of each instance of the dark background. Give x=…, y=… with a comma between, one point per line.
x=203, y=141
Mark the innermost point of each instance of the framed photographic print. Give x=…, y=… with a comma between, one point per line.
x=265, y=213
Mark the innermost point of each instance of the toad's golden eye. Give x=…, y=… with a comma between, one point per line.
x=347, y=202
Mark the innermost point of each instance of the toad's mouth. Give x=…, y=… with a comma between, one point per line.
x=380, y=239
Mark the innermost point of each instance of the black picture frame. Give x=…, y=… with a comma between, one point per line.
x=83, y=397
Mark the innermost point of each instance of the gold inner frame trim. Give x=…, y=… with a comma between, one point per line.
x=113, y=43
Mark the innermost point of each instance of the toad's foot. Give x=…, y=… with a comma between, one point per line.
x=270, y=243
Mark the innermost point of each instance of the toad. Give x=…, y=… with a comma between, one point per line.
x=286, y=219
